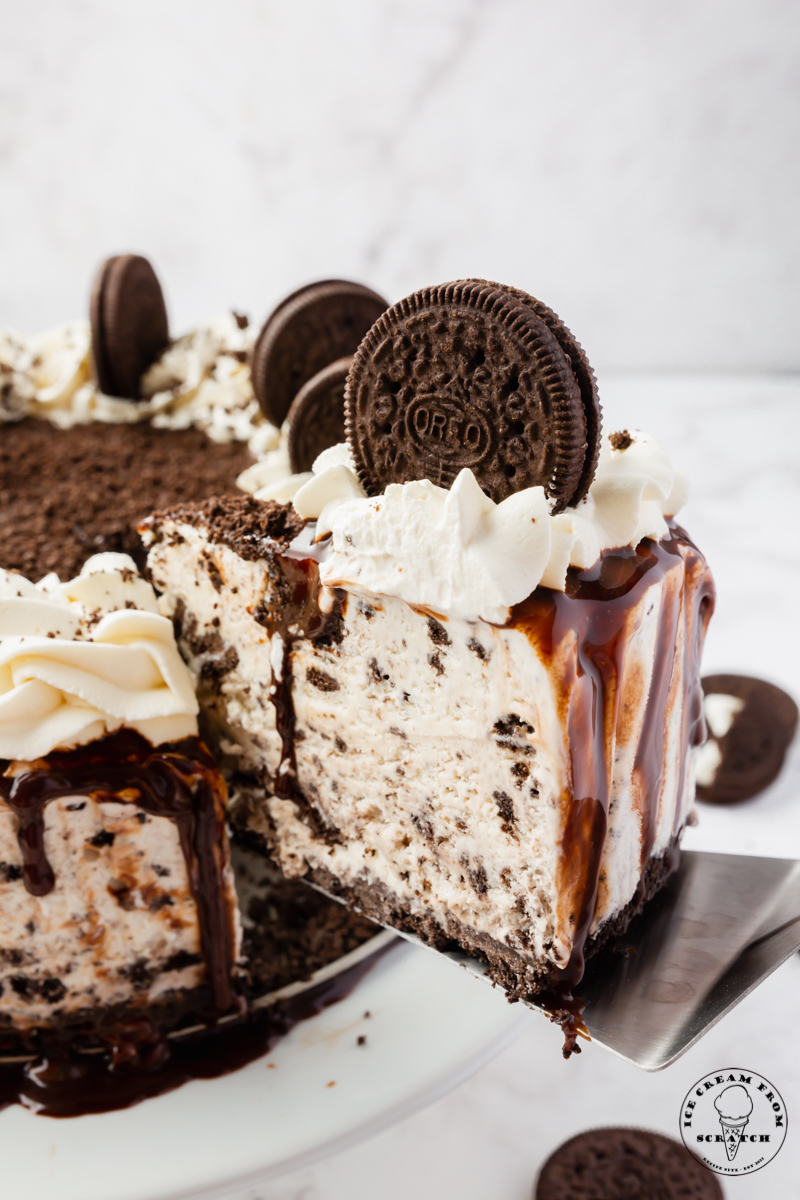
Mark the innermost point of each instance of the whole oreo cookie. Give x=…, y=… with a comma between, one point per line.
x=129, y=324
x=316, y=418
x=310, y=329
x=469, y=374
x=624, y=1164
x=752, y=748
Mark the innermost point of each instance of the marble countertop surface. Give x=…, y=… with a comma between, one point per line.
x=634, y=165
x=737, y=438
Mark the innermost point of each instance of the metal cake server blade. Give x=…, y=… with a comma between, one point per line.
x=722, y=924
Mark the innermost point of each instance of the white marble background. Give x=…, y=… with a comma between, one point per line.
x=633, y=164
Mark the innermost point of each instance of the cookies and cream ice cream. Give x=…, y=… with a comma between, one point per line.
x=115, y=883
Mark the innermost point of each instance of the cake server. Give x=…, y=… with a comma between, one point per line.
x=722, y=924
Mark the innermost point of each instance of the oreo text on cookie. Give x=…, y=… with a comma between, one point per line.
x=442, y=429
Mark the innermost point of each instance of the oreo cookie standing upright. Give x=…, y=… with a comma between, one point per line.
x=310, y=329
x=129, y=324
x=316, y=418
x=469, y=374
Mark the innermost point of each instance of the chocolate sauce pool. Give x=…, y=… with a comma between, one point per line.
x=65, y=1083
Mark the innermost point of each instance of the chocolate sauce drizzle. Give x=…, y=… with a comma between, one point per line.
x=299, y=617
x=178, y=780
x=595, y=608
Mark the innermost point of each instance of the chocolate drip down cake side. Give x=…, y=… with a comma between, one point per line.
x=456, y=680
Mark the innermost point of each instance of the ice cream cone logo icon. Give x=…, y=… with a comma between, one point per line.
x=734, y=1106
x=734, y=1121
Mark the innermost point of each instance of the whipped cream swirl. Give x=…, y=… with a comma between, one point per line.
x=459, y=554
x=80, y=659
x=202, y=380
x=271, y=477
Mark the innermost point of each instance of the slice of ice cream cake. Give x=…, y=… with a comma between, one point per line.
x=468, y=709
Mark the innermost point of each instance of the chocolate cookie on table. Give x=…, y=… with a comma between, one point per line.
x=473, y=374
x=751, y=724
x=624, y=1164
x=129, y=324
x=309, y=330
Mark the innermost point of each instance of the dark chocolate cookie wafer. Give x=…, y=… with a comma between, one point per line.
x=129, y=324
x=753, y=749
x=584, y=375
x=624, y=1164
x=316, y=418
x=466, y=375
x=308, y=330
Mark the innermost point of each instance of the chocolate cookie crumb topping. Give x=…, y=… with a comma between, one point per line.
x=620, y=440
x=68, y=493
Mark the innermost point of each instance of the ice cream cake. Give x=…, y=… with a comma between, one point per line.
x=116, y=892
x=456, y=681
